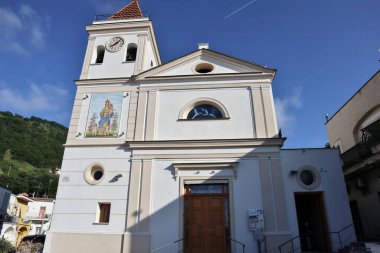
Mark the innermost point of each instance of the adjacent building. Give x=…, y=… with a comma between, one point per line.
x=39, y=214
x=5, y=195
x=186, y=156
x=26, y=216
x=9, y=231
x=355, y=130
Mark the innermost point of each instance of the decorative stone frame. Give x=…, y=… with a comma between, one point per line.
x=316, y=174
x=227, y=179
x=205, y=166
x=90, y=171
x=200, y=101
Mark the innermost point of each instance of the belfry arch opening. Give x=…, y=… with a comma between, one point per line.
x=131, y=52
x=99, y=54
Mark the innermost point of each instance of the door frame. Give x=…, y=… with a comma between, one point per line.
x=322, y=205
x=206, y=180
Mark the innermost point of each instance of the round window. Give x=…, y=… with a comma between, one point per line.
x=308, y=177
x=94, y=173
x=204, y=68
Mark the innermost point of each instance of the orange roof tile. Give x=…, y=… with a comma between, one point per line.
x=132, y=10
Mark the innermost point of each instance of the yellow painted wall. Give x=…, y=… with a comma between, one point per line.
x=22, y=227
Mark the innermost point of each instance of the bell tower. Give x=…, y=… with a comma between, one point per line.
x=120, y=45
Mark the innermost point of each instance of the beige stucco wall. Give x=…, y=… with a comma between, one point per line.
x=83, y=242
x=353, y=113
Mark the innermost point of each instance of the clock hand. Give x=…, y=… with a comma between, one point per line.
x=115, y=43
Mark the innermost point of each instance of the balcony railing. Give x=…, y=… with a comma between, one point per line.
x=36, y=216
x=362, y=150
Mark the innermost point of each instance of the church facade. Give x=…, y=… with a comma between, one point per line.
x=186, y=156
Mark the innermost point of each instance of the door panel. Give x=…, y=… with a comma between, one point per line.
x=196, y=221
x=216, y=224
x=206, y=224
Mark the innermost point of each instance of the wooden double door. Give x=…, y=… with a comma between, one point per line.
x=207, y=223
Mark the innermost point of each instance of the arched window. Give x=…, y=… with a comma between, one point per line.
x=203, y=108
x=131, y=52
x=361, y=131
x=205, y=111
x=99, y=54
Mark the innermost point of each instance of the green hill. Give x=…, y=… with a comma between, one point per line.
x=30, y=149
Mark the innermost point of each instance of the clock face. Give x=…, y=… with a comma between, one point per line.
x=115, y=44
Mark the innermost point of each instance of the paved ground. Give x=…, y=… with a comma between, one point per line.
x=374, y=246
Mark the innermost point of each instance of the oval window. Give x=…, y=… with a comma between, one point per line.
x=204, y=68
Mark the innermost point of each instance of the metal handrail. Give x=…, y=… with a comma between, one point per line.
x=338, y=232
x=299, y=236
x=290, y=240
x=242, y=244
x=166, y=245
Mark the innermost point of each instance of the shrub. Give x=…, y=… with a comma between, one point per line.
x=6, y=246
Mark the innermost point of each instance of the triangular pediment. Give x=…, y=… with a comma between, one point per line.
x=204, y=62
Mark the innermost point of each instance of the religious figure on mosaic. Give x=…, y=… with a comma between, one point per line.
x=105, y=119
x=104, y=115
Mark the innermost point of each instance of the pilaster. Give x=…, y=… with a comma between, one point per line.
x=87, y=58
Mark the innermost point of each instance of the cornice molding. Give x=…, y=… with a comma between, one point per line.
x=194, y=144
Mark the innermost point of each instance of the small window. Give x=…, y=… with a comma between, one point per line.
x=205, y=111
x=131, y=52
x=100, y=54
x=42, y=212
x=104, y=212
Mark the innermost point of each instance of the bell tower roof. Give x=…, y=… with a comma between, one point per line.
x=131, y=10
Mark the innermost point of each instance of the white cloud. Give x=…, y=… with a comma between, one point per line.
x=34, y=99
x=21, y=31
x=284, y=110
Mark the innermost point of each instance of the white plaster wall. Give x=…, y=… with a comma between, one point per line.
x=237, y=102
x=9, y=232
x=114, y=64
x=332, y=185
x=246, y=194
x=77, y=201
x=37, y=224
x=34, y=207
x=149, y=56
x=187, y=68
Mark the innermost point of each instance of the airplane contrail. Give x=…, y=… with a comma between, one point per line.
x=244, y=6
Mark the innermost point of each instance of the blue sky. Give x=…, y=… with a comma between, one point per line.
x=324, y=50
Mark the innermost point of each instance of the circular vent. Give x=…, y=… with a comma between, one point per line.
x=94, y=173
x=204, y=68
